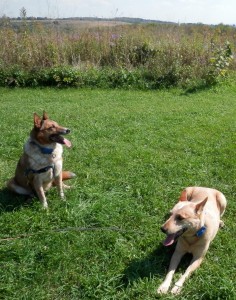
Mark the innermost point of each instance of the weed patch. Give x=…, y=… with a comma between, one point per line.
x=126, y=56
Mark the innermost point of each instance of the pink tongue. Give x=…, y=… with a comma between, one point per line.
x=169, y=240
x=67, y=143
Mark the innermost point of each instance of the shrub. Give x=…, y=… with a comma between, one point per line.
x=219, y=63
x=141, y=54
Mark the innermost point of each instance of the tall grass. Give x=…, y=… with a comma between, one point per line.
x=163, y=55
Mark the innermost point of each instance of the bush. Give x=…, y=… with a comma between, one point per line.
x=219, y=63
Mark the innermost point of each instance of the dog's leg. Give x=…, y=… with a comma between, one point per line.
x=40, y=192
x=59, y=185
x=65, y=175
x=195, y=263
x=163, y=288
x=14, y=187
x=39, y=189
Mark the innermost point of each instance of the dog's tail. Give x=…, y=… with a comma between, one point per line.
x=67, y=175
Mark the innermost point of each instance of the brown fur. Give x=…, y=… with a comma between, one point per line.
x=198, y=207
x=36, y=170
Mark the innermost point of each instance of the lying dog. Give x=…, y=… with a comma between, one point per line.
x=194, y=221
x=40, y=166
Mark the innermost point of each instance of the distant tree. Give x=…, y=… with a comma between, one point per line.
x=4, y=20
x=23, y=13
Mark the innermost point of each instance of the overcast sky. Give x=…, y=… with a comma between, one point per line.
x=183, y=11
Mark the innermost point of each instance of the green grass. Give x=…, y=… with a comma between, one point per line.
x=133, y=152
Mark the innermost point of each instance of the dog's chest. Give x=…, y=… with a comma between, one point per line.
x=38, y=160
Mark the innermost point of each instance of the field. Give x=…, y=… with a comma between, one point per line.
x=133, y=152
x=112, y=54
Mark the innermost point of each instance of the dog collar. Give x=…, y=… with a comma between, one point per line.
x=201, y=231
x=43, y=150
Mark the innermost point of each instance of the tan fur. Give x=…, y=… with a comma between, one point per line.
x=45, y=134
x=197, y=207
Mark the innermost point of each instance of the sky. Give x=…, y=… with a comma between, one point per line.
x=180, y=11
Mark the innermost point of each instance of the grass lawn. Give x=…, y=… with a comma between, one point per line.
x=133, y=152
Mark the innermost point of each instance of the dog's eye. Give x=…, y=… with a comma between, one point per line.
x=179, y=218
x=51, y=128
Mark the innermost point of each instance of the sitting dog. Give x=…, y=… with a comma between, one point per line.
x=193, y=222
x=40, y=165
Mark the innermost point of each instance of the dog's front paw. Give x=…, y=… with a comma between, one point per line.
x=65, y=186
x=163, y=288
x=176, y=289
x=222, y=224
x=62, y=195
x=45, y=206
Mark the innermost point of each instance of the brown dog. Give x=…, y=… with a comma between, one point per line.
x=40, y=166
x=194, y=221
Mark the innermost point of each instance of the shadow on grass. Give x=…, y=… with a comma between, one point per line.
x=10, y=201
x=199, y=88
x=155, y=264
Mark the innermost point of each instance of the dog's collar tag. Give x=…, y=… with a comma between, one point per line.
x=201, y=231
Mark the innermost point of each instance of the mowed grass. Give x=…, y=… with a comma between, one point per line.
x=133, y=152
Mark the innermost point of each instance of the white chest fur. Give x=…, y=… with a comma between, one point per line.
x=38, y=160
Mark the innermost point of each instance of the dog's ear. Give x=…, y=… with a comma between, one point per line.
x=37, y=121
x=183, y=196
x=45, y=115
x=199, y=207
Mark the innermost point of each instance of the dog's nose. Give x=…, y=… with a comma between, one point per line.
x=67, y=131
x=163, y=229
